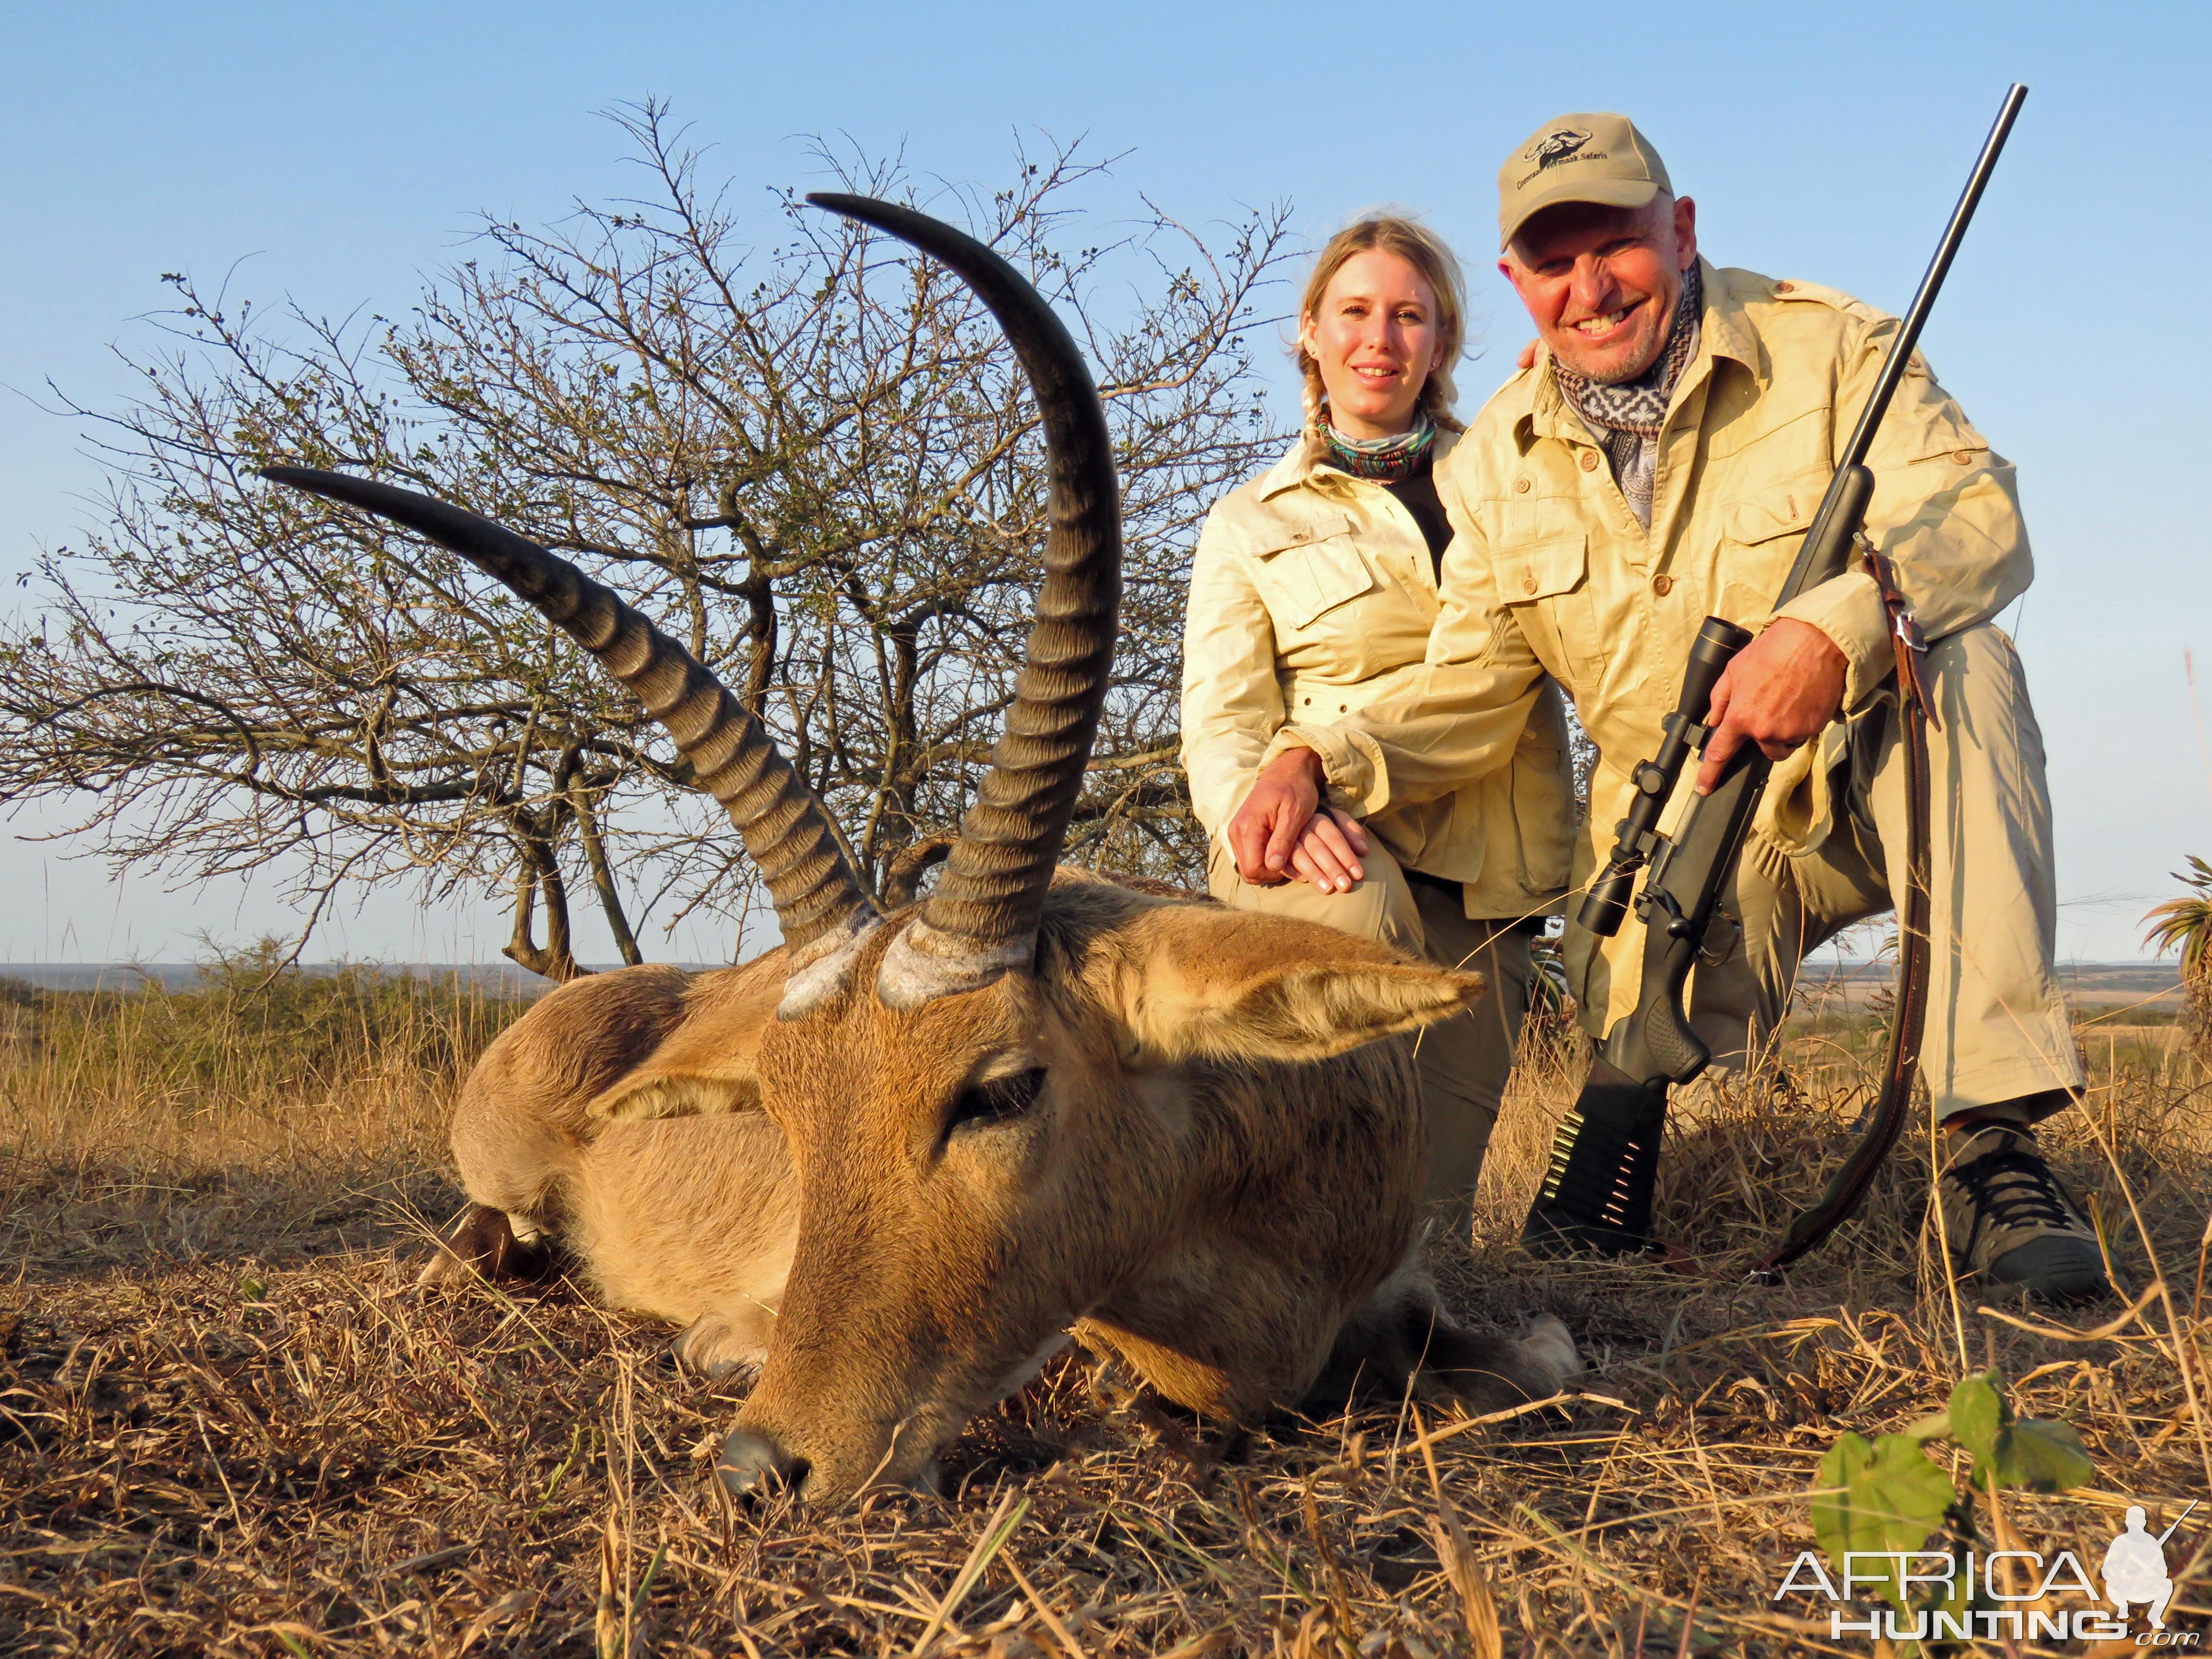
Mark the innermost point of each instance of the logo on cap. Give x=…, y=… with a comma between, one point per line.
x=1556, y=147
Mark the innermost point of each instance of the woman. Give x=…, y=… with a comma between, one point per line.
x=1314, y=590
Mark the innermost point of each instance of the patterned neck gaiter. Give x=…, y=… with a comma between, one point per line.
x=1386, y=460
x=1625, y=417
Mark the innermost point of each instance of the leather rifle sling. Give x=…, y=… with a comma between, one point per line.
x=1901, y=1067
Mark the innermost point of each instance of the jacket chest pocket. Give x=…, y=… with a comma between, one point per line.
x=1306, y=580
x=1543, y=581
x=1760, y=536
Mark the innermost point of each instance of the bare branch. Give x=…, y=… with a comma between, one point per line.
x=800, y=448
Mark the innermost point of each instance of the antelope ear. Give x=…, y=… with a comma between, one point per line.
x=1210, y=983
x=653, y=1091
x=706, y=1065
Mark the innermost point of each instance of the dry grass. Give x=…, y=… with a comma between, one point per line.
x=226, y=1426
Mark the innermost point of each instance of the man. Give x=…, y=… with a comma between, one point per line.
x=1660, y=460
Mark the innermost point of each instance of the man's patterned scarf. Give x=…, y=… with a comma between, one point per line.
x=1625, y=417
x=1386, y=460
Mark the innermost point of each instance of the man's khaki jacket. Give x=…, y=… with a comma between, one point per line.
x=1549, y=572
x=1313, y=594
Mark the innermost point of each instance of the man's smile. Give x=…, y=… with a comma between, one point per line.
x=1605, y=324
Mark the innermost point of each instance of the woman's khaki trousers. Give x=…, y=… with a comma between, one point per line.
x=1464, y=1060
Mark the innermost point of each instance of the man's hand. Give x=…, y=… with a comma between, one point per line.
x=1780, y=690
x=1268, y=826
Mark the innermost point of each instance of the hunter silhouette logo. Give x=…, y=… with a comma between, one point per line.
x=1555, y=146
x=2134, y=1568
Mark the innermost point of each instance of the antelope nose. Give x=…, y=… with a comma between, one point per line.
x=750, y=1466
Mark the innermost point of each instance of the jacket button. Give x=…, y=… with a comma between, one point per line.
x=1589, y=460
x=1343, y=708
x=1663, y=584
x=1785, y=288
x=1963, y=457
x=1528, y=583
x=1520, y=486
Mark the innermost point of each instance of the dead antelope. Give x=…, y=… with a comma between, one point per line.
x=897, y=1161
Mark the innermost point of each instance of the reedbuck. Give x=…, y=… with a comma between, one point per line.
x=895, y=1163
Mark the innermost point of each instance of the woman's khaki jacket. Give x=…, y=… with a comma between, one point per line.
x=1312, y=595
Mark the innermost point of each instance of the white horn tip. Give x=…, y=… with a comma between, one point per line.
x=822, y=968
x=924, y=964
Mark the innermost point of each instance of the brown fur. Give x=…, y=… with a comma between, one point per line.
x=1218, y=1181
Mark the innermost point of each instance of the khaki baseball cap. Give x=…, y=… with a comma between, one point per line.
x=1577, y=158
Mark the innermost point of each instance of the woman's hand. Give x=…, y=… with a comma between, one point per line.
x=1265, y=833
x=1282, y=831
x=1329, y=851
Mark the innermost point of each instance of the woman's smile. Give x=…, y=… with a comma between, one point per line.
x=1376, y=340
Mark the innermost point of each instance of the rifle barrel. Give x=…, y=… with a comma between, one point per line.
x=1908, y=336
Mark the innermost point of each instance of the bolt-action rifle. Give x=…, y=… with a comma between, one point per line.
x=1605, y=1158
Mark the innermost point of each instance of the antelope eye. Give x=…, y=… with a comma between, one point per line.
x=997, y=1100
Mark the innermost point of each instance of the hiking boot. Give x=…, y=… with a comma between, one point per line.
x=2012, y=1223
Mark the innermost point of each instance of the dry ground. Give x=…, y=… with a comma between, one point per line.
x=226, y=1425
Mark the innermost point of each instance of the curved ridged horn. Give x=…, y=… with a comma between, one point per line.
x=981, y=919
x=816, y=896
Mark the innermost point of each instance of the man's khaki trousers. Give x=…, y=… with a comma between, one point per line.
x=1464, y=1060
x=1997, y=1024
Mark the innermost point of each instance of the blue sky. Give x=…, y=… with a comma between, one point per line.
x=336, y=154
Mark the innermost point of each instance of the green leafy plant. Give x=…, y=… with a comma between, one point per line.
x=2185, y=925
x=1889, y=1497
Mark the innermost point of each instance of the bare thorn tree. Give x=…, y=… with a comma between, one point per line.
x=812, y=458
